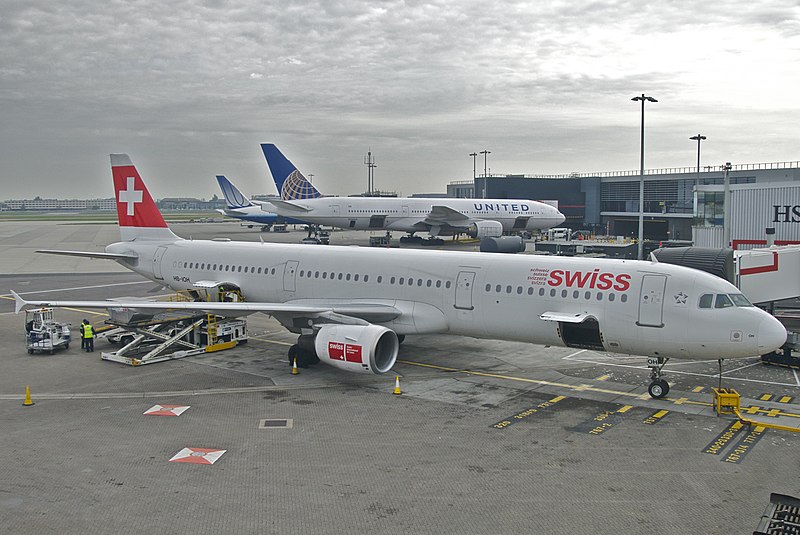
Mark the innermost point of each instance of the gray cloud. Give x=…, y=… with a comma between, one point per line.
x=189, y=89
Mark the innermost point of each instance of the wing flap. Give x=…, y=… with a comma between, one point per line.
x=440, y=214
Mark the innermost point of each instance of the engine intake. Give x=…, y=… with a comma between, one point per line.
x=485, y=229
x=357, y=348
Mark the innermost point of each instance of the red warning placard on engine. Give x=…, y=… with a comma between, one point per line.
x=352, y=353
x=336, y=350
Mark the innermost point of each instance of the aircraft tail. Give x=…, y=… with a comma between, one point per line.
x=137, y=213
x=233, y=197
x=291, y=183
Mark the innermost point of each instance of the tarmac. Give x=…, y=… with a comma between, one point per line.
x=486, y=437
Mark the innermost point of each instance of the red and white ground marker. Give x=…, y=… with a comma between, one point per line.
x=197, y=456
x=166, y=410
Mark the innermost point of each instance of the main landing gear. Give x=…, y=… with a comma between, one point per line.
x=658, y=387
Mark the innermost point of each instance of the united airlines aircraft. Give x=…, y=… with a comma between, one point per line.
x=351, y=307
x=240, y=207
x=478, y=218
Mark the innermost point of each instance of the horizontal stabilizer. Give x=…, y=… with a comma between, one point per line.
x=288, y=205
x=87, y=254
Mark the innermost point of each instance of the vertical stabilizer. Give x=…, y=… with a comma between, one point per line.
x=291, y=183
x=137, y=213
x=233, y=197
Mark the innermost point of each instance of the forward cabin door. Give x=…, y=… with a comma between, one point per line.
x=651, y=301
x=157, y=262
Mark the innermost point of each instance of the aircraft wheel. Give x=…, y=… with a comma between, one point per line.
x=658, y=389
x=30, y=352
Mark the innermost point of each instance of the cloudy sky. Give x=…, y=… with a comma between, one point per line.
x=190, y=89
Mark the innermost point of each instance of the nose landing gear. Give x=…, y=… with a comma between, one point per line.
x=658, y=387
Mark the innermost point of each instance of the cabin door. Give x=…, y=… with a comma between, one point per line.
x=157, y=262
x=289, y=275
x=464, y=284
x=651, y=301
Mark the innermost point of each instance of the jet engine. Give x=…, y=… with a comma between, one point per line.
x=357, y=348
x=485, y=229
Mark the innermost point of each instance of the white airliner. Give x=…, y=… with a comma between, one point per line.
x=478, y=218
x=353, y=306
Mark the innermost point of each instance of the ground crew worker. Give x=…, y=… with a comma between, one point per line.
x=88, y=336
x=80, y=330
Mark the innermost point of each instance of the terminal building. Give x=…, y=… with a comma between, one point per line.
x=680, y=204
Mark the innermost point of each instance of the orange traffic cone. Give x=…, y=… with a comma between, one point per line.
x=28, y=401
x=294, y=366
x=397, y=391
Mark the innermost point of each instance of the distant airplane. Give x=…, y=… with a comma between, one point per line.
x=478, y=218
x=240, y=207
x=352, y=306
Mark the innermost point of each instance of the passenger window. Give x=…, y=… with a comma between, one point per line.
x=347, y=277
x=447, y=284
x=438, y=284
x=599, y=296
x=530, y=290
x=316, y=274
x=498, y=288
x=245, y=269
x=324, y=274
x=610, y=297
x=402, y=281
x=553, y=292
x=428, y=283
x=380, y=279
x=240, y=269
x=419, y=282
x=564, y=293
x=541, y=291
x=519, y=290
x=272, y=272
x=341, y=275
x=508, y=289
x=355, y=277
x=722, y=301
x=587, y=295
x=366, y=278
x=706, y=300
x=488, y=287
x=391, y=281
x=623, y=298
x=411, y=281
x=575, y=294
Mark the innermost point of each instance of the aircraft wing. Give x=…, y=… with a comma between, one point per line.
x=86, y=254
x=334, y=312
x=289, y=206
x=444, y=215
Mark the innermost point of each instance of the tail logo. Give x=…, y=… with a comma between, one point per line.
x=130, y=196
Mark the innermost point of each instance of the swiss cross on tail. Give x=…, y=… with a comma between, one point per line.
x=135, y=206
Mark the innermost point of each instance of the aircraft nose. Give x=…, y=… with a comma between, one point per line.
x=771, y=335
x=558, y=218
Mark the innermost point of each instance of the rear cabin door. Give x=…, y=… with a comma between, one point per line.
x=651, y=301
x=157, y=262
x=289, y=273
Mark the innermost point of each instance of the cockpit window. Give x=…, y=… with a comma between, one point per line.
x=723, y=301
x=706, y=300
x=740, y=300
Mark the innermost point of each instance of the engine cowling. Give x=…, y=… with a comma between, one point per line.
x=357, y=348
x=485, y=229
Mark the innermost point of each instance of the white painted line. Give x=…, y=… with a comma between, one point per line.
x=740, y=368
x=568, y=357
x=81, y=288
x=795, y=377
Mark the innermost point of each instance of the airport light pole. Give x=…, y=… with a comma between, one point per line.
x=640, y=253
x=726, y=205
x=474, y=175
x=485, y=174
x=698, y=138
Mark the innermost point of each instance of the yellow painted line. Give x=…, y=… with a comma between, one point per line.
x=752, y=409
x=537, y=381
x=602, y=378
x=626, y=408
x=765, y=397
x=785, y=399
x=774, y=412
x=769, y=425
x=681, y=401
x=557, y=399
x=697, y=389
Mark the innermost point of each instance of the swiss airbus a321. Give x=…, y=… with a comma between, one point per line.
x=478, y=218
x=352, y=306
